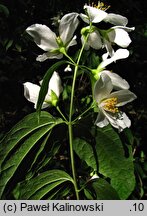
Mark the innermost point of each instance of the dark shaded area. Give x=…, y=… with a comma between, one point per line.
x=18, y=64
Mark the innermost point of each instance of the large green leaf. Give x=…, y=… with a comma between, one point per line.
x=113, y=163
x=44, y=85
x=100, y=189
x=19, y=141
x=39, y=186
x=85, y=151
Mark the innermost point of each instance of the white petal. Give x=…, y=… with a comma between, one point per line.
x=105, y=56
x=94, y=40
x=95, y=15
x=55, y=85
x=109, y=48
x=49, y=55
x=84, y=18
x=124, y=122
x=87, y=45
x=31, y=92
x=67, y=26
x=120, y=122
x=116, y=19
x=119, y=54
x=123, y=97
x=102, y=87
x=101, y=120
x=43, y=36
x=127, y=29
x=117, y=81
x=72, y=42
x=120, y=37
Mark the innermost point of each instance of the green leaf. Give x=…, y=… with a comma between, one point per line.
x=39, y=186
x=113, y=163
x=85, y=152
x=42, y=146
x=45, y=82
x=128, y=136
x=45, y=190
x=16, y=145
x=50, y=155
x=100, y=189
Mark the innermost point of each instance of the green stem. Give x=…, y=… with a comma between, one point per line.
x=69, y=57
x=71, y=123
x=72, y=159
x=79, y=117
x=58, y=109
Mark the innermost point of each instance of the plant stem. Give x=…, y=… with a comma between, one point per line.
x=70, y=129
x=72, y=159
x=58, y=109
x=69, y=57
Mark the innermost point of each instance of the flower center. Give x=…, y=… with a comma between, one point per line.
x=100, y=5
x=59, y=41
x=110, y=105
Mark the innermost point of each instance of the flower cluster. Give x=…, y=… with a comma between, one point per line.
x=110, y=90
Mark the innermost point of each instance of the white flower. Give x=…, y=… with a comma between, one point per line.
x=117, y=35
x=47, y=40
x=109, y=103
x=31, y=91
x=95, y=15
x=68, y=69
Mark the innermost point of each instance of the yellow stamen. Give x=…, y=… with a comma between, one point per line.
x=110, y=105
x=100, y=5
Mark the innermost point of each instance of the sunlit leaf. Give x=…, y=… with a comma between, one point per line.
x=100, y=189
x=113, y=163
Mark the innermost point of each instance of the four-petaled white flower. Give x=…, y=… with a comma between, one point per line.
x=96, y=15
x=47, y=40
x=31, y=91
x=109, y=102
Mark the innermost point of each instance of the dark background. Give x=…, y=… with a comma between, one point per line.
x=18, y=64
